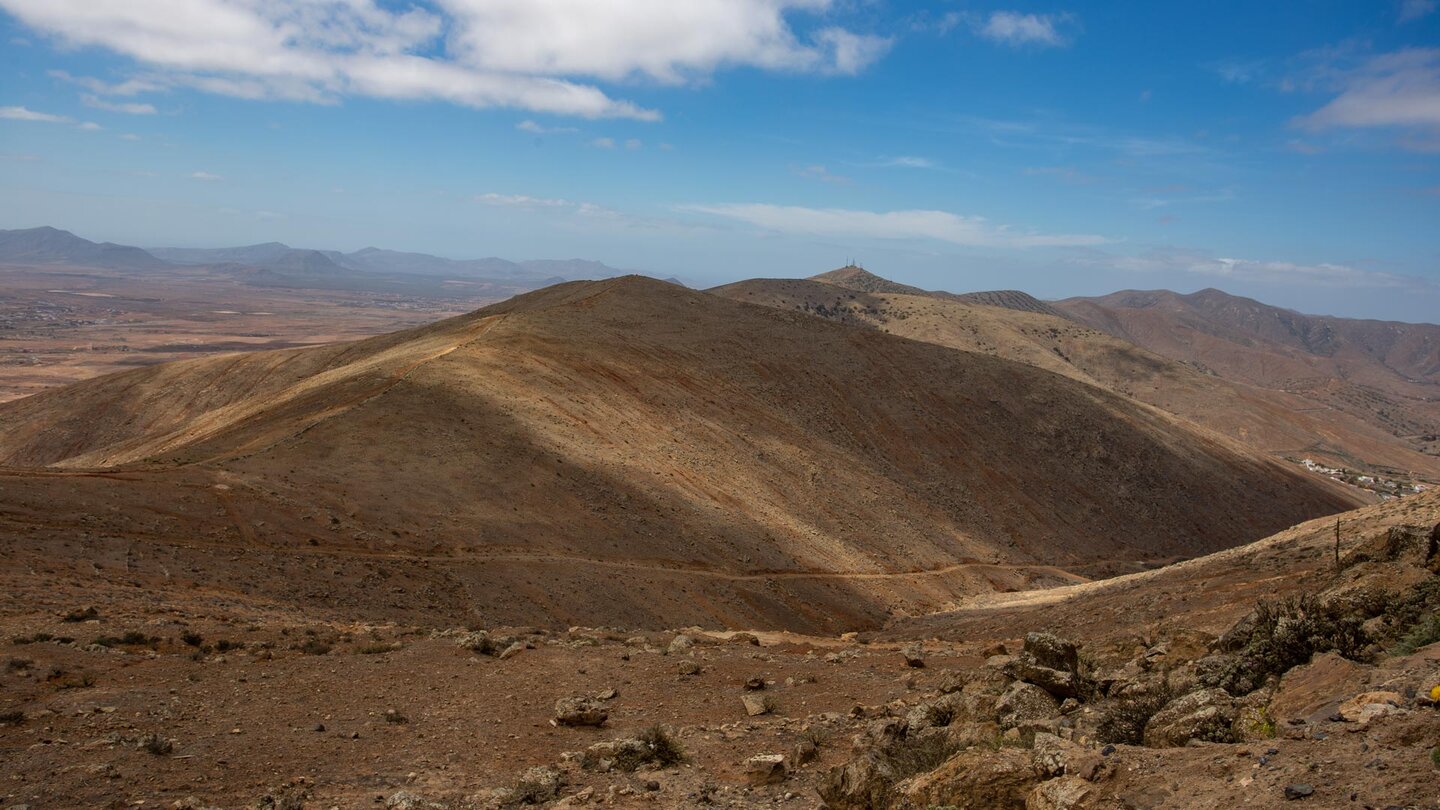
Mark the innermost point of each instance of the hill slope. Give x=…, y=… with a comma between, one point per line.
x=1270, y=421
x=1385, y=373
x=633, y=453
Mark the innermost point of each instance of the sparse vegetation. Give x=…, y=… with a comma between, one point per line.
x=395, y=717
x=36, y=638
x=155, y=744
x=1123, y=719
x=920, y=754
x=192, y=639
x=314, y=646
x=81, y=615
x=14, y=717
x=376, y=648
x=1283, y=634
x=17, y=664
x=658, y=747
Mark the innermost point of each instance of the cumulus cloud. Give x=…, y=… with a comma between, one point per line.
x=941, y=226
x=1399, y=89
x=1015, y=29
x=526, y=54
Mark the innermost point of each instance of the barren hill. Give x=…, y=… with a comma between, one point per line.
x=625, y=452
x=1268, y=420
x=1383, y=372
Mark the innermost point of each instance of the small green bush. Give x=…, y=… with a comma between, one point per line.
x=1283, y=634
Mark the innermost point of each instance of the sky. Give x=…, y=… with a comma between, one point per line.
x=1285, y=151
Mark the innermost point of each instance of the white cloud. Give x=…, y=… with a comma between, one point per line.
x=634, y=144
x=205, y=177
x=603, y=143
x=664, y=40
x=907, y=162
x=1399, y=89
x=819, y=172
x=127, y=107
x=25, y=114
x=521, y=201
x=1415, y=9
x=937, y=225
x=90, y=126
x=540, y=129
x=1323, y=274
x=129, y=136
x=525, y=54
x=1016, y=29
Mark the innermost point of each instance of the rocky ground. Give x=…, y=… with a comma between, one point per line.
x=169, y=699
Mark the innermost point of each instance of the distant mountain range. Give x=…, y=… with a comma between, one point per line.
x=277, y=264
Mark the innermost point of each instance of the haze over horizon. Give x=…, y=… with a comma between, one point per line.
x=1289, y=156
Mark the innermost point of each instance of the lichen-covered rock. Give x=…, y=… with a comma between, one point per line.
x=1063, y=793
x=1049, y=662
x=1204, y=715
x=765, y=769
x=973, y=780
x=1025, y=703
x=580, y=711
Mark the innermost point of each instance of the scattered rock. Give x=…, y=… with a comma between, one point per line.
x=1024, y=703
x=1299, y=790
x=688, y=667
x=1365, y=707
x=511, y=651
x=1204, y=715
x=680, y=644
x=755, y=705
x=580, y=711
x=765, y=769
x=1049, y=662
x=755, y=684
x=914, y=655
x=1064, y=793
x=405, y=800
x=538, y=785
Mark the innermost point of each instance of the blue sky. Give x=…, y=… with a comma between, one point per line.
x=1289, y=151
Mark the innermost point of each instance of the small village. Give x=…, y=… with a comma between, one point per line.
x=1386, y=488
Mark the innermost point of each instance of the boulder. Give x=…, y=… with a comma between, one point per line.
x=1049, y=662
x=580, y=711
x=538, y=785
x=862, y=783
x=914, y=655
x=1317, y=688
x=974, y=779
x=1206, y=715
x=611, y=754
x=1064, y=793
x=1369, y=705
x=755, y=705
x=765, y=769
x=1024, y=703
x=476, y=641
x=680, y=644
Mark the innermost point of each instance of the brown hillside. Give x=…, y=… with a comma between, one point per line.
x=625, y=452
x=1384, y=373
x=1272, y=421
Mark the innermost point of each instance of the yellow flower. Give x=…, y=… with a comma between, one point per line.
x=1435, y=693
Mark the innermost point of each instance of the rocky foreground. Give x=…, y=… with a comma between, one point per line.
x=1324, y=695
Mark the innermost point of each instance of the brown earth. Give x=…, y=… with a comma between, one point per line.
x=1277, y=422
x=1383, y=372
x=258, y=697
x=625, y=452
